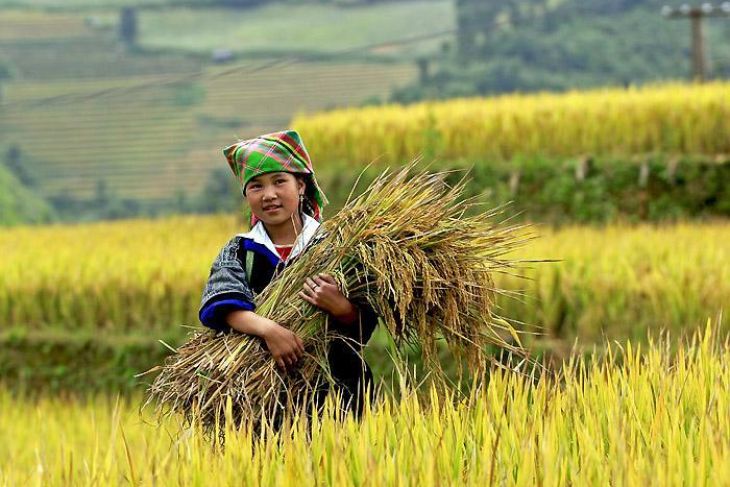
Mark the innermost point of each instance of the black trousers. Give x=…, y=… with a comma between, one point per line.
x=353, y=382
x=353, y=377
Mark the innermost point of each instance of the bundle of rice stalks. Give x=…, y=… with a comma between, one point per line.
x=407, y=246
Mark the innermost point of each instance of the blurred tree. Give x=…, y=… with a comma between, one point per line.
x=478, y=20
x=528, y=45
x=128, y=26
x=474, y=18
x=19, y=204
x=101, y=195
x=6, y=73
x=13, y=161
x=221, y=193
x=613, y=6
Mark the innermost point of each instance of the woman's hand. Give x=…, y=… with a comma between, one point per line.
x=322, y=291
x=286, y=347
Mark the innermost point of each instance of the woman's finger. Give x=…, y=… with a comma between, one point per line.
x=328, y=278
x=310, y=282
x=307, y=298
x=310, y=289
x=319, y=281
x=280, y=363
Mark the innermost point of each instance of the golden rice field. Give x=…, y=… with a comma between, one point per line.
x=147, y=276
x=668, y=118
x=638, y=418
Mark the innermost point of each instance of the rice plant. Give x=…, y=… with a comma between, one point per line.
x=145, y=277
x=669, y=118
x=632, y=416
x=406, y=247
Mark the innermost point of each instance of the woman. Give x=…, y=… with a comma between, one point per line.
x=278, y=182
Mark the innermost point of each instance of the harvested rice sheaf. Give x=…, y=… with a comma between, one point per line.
x=407, y=246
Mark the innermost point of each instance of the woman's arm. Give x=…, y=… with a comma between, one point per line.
x=348, y=315
x=285, y=346
x=228, y=302
x=226, y=290
x=249, y=322
x=323, y=292
x=357, y=318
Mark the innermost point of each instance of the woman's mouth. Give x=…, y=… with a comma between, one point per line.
x=271, y=209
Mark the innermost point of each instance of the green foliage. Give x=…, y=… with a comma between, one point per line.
x=54, y=361
x=5, y=71
x=14, y=162
x=188, y=94
x=577, y=44
x=19, y=204
x=220, y=194
x=548, y=191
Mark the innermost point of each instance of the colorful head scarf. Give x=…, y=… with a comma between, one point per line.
x=275, y=152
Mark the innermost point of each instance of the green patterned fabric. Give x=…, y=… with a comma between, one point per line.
x=275, y=152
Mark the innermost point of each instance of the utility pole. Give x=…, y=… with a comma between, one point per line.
x=696, y=16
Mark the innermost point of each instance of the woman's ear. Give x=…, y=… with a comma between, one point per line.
x=301, y=186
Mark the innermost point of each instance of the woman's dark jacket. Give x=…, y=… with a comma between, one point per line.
x=229, y=288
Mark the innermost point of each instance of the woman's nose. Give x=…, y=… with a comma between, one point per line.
x=269, y=193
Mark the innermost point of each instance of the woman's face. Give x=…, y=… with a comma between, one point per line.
x=274, y=197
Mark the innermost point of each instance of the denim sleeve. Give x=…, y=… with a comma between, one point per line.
x=227, y=288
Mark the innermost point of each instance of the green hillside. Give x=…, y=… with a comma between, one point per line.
x=78, y=5
x=19, y=204
x=532, y=45
x=307, y=28
x=85, y=112
x=148, y=121
x=151, y=142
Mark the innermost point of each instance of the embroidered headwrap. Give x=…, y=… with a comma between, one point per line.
x=275, y=152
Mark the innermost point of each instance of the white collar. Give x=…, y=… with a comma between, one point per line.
x=258, y=234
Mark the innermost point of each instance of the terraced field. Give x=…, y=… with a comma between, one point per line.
x=306, y=28
x=31, y=25
x=75, y=5
x=51, y=45
x=148, y=137
x=146, y=276
x=82, y=110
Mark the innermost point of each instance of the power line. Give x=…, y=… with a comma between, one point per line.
x=696, y=16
